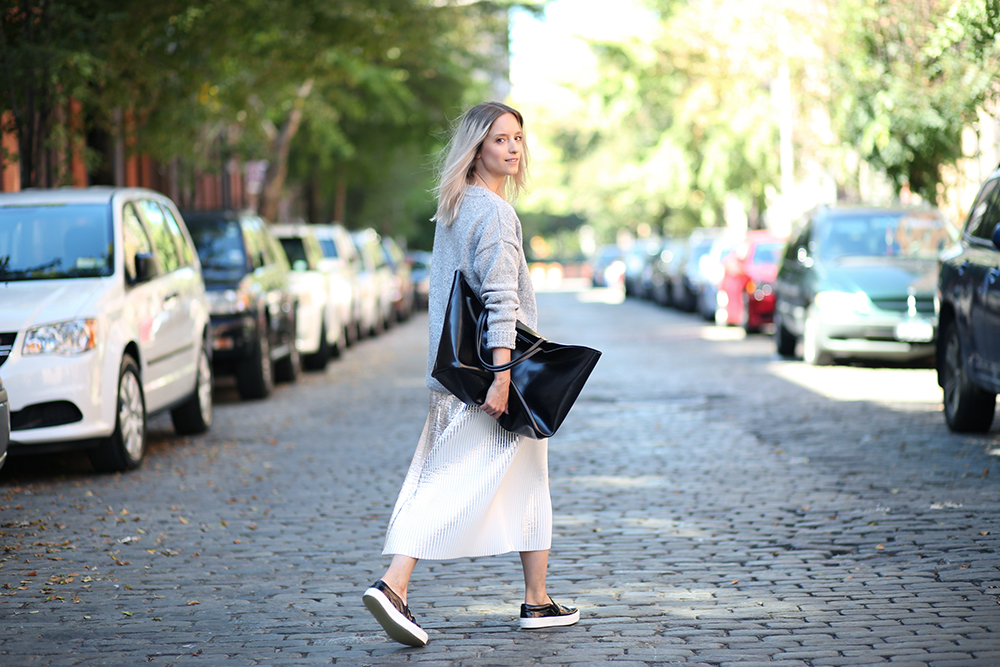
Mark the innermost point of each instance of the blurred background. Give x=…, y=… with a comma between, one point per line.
x=646, y=119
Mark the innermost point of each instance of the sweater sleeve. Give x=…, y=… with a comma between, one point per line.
x=496, y=262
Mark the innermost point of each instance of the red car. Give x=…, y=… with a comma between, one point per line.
x=746, y=296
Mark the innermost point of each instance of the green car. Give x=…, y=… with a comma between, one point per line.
x=859, y=282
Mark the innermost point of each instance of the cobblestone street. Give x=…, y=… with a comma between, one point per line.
x=713, y=505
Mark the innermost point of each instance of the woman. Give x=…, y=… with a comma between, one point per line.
x=473, y=488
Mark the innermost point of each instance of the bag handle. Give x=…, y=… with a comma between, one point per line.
x=480, y=330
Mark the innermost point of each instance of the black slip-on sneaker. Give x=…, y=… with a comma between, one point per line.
x=394, y=616
x=547, y=615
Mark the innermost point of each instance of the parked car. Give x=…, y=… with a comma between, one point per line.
x=859, y=282
x=251, y=303
x=104, y=321
x=377, y=281
x=402, y=292
x=968, y=301
x=420, y=273
x=746, y=292
x=636, y=259
x=608, y=267
x=4, y=424
x=319, y=328
x=340, y=257
x=662, y=268
x=712, y=272
x=686, y=279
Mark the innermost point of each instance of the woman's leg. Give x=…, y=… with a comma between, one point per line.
x=397, y=577
x=535, y=563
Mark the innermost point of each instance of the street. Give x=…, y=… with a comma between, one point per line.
x=713, y=504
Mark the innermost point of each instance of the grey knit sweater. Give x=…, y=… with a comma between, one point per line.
x=484, y=242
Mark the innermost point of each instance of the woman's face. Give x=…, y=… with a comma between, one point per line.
x=500, y=155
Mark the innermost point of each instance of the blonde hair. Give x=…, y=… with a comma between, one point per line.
x=458, y=166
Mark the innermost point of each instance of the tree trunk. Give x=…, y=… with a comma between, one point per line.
x=277, y=166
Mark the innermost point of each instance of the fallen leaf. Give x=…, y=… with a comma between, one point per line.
x=880, y=548
x=183, y=520
x=984, y=532
x=192, y=602
x=127, y=613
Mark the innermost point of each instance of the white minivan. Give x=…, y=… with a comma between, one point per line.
x=103, y=321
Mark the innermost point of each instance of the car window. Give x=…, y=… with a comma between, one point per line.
x=187, y=254
x=163, y=240
x=910, y=234
x=255, y=249
x=985, y=214
x=219, y=243
x=295, y=248
x=329, y=247
x=766, y=253
x=56, y=241
x=275, y=255
x=135, y=240
x=801, y=241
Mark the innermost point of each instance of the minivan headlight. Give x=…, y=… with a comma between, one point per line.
x=227, y=302
x=73, y=337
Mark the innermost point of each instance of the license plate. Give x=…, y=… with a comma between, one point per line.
x=915, y=331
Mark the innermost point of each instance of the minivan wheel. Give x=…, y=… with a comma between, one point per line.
x=318, y=360
x=967, y=408
x=194, y=416
x=745, y=318
x=254, y=376
x=812, y=350
x=784, y=340
x=126, y=447
x=287, y=368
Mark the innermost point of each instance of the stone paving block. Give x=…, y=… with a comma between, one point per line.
x=692, y=519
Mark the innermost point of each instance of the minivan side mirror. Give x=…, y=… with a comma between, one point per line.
x=996, y=237
x=146, y=267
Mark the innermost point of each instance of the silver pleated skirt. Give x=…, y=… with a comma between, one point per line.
x=473, y=489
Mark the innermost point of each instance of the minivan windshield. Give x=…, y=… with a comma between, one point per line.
x=907, y=234
x=53, y=241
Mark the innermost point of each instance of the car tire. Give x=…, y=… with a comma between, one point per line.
x=745, y=317
x=255, y=375
x=194, y=416
x=287, y=368
x=812, y=350
x=350, y=333
x=967, y=408
x=319, y=359
x=784, y=340
x=126, y=447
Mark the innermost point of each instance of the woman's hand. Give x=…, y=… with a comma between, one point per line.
x=496, y=398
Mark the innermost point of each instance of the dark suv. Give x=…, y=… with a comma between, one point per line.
x=253, y=311
x=968, y=302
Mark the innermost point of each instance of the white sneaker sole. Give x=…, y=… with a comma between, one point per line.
x=394, y=623
x=549, y=621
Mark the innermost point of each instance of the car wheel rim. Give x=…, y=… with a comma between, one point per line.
x=131, y=415
x=205, y=387
x=265, y=359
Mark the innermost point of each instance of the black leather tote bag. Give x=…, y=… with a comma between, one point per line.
x=545, y=377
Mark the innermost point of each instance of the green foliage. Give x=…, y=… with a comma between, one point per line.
x=908, y=77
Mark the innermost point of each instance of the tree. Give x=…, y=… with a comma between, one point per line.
x=908, y=77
